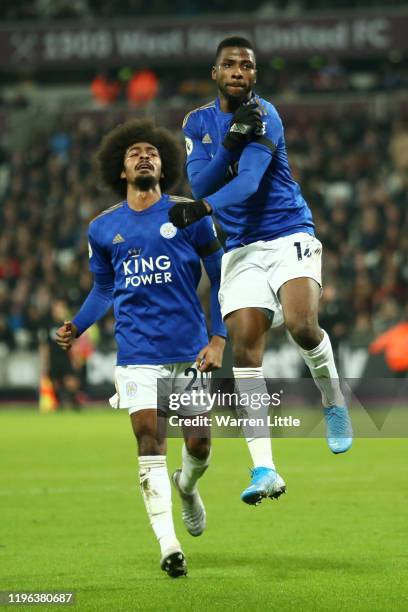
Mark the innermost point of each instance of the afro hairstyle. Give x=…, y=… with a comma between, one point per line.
x=111, y=153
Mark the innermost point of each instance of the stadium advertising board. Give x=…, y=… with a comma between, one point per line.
x=113, y=44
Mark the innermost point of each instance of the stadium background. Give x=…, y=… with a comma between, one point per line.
x=71, y=70
x=71, y=516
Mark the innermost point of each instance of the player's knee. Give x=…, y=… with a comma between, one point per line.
x=305, y=332
x=148, y=444
x=247, y=340
x=198, y=447
x=247, y=357
x=246, y=352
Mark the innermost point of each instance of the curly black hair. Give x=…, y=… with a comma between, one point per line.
x=110, y=155
x=233, y=41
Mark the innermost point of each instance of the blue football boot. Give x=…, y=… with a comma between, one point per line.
x=339, y=431
x=265, y=482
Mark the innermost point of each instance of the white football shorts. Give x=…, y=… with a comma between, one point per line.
x=141, y=387
x=252, y=275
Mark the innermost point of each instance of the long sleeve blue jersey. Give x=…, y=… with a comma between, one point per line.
x=150, y=271
x=252, y=194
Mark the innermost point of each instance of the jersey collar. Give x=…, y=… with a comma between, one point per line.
x=153, y=208
x=218, y=105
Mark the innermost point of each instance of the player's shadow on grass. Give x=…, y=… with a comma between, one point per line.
x=281, y=565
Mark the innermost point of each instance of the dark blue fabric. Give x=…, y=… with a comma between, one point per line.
x=155, y=269
x=212, y=265
x=257, y=197
x=97, y=303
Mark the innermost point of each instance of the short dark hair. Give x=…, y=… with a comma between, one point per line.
x=233, y=41
x=110, y=155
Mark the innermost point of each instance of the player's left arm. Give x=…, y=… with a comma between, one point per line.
x=207, y=174
x=252, y=166
x=210, y=250
x=253, y=163
x=210, y=357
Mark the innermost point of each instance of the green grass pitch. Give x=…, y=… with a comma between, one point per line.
x=71, y=518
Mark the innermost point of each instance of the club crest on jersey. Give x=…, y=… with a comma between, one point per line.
x=168, y=230
x=131, y=388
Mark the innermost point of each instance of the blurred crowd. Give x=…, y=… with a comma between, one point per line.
x=90, y=9
x=287, y=79
x=353, y=171
x=130, y=87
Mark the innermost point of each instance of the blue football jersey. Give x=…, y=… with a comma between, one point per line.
x=156, y=269
x=277, y=208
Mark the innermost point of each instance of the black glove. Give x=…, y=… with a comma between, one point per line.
x=246, y=121
x=182, y=215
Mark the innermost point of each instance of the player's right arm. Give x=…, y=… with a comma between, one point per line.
x=205, y=174
x=98, y=300
x=203, y=236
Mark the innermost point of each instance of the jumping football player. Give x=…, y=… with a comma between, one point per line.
x=149, y=271
x=238, y=169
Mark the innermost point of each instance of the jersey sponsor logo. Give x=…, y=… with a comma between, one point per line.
x=90, y=250
x=147, y=271
x=131, y=388
x=189, y=145
x=168, y=230
x=207, y=139
x=134, y=252
x=117, y=239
